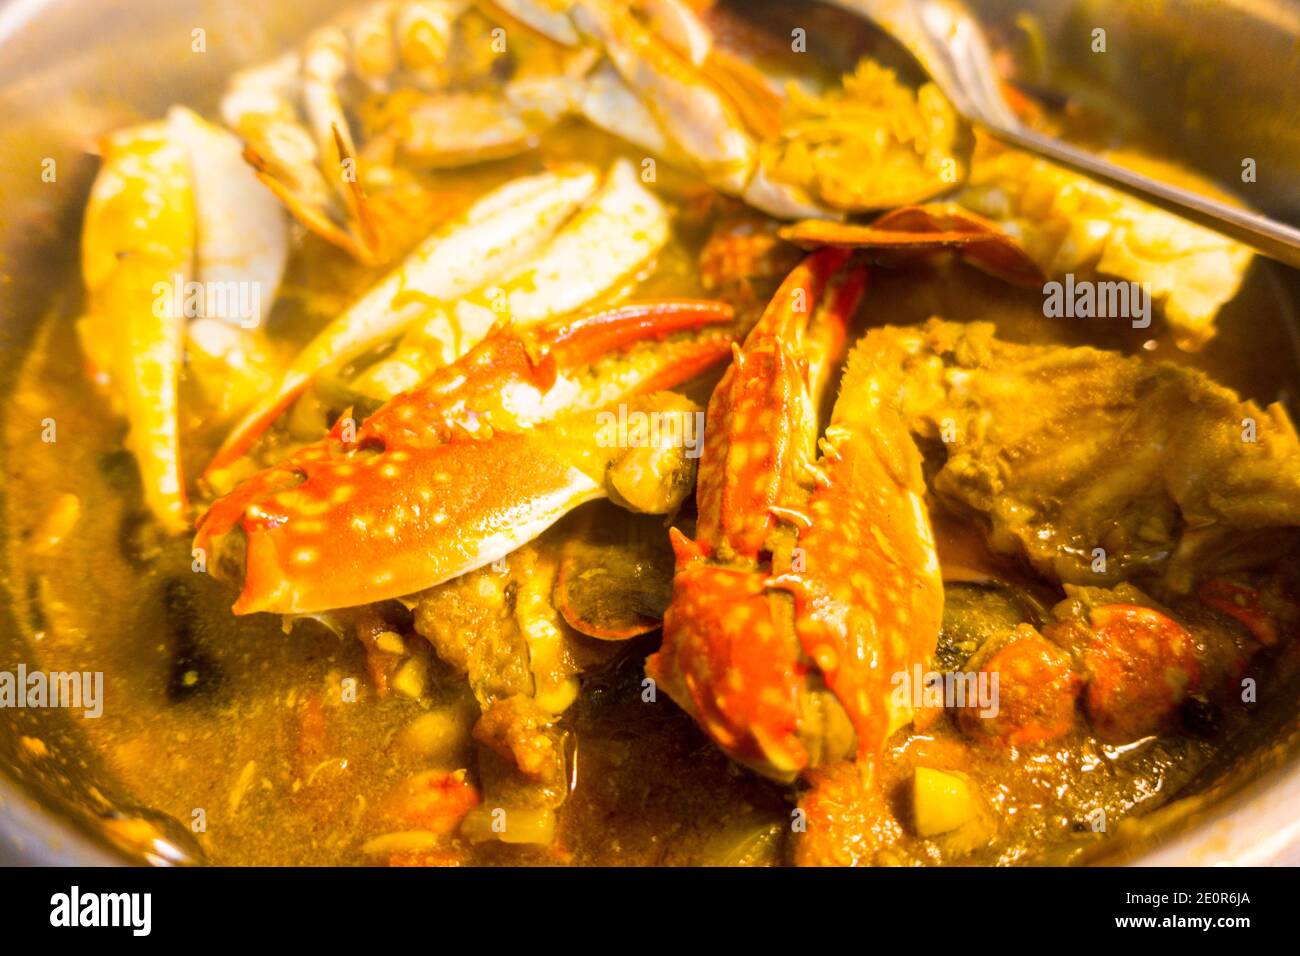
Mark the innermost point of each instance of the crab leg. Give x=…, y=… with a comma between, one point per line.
x=544, y=19
x=498, y=232
x=763, y=414
x=291, y=113
x=602, y=98
x=370, y=39
x=607, y=243
x=925, y=230
x=862, y=630
x=325, y=64
x=480, y=459
x=261, y=106
x=174, y=202
x=782, y=651
x=445, y=130
x=743, y=688
x=423, y=31
x=138, y=237
x=413, y=34
x=241, y=245
x=702, y=122
x=670, y=90
x=680, y=28
x=242, y=233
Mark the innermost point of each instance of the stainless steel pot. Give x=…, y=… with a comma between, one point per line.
x=1210, y=84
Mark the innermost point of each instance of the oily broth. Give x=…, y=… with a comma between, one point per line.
x=231, y=748
x=103, y=614
x=176, y=757
x=650, y=789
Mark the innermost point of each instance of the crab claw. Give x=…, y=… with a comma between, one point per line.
x=814, y=579
x=481, y=458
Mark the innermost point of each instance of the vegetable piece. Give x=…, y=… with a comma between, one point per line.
x=434, y=801
x=1141, y=665
x=536, y=826
x=439, y=738
x=412, y=677
x=402, y=842
x=657, y=471
x=1034, y=697
x=521, y=732
x=752, y=840
x=941, y=802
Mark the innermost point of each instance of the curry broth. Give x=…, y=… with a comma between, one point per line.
x=231, y=719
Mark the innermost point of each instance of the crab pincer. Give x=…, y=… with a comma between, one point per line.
x=813, y=580
x=479, y=459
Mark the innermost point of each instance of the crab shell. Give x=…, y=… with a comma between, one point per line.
x=481, y=458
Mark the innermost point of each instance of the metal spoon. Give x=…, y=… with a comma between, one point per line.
x=950, y=46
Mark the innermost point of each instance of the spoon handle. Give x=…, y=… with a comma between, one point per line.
x=1267, y=236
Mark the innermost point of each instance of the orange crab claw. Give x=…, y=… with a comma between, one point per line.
x=728, y=660
x=814, y=579
x=455, y=474
x=727, y=656
x=760, y=412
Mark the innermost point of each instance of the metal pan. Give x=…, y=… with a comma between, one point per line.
x=1207, y=84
